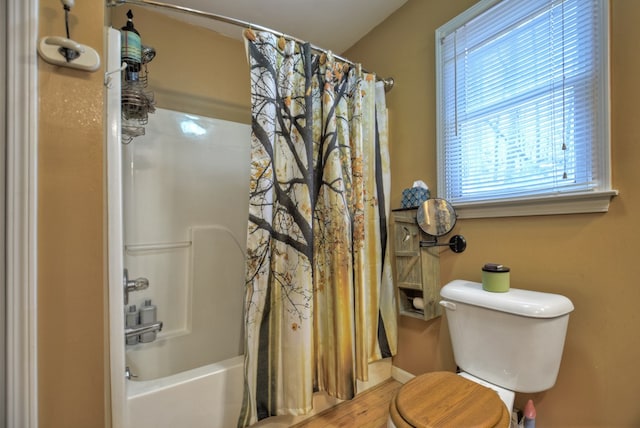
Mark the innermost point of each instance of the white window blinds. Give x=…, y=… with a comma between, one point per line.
x=522, y=101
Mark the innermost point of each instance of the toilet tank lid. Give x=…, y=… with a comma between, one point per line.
x=533, y=304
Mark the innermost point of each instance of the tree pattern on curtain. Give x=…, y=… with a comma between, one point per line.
x=319, y=297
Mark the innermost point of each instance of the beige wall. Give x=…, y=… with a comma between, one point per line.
x=591, y=258
x=71, y=338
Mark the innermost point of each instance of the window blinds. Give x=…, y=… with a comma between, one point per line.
x=520, y=101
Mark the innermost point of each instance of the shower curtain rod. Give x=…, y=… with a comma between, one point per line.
x=388, y=82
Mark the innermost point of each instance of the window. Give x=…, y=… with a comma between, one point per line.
x=523, y=108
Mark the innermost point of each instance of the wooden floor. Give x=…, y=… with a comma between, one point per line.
x=369, y=409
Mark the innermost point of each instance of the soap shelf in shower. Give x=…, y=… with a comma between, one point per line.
x=140, y=248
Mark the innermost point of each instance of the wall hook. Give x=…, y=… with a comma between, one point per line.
x=54, y=50
x=107, y=75
x=65, y=52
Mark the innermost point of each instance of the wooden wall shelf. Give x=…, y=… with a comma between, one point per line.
x=417, y=268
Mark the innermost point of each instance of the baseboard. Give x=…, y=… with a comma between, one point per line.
x=400, y=375
x=379, y=371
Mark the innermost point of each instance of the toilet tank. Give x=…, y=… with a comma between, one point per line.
x=513, y=339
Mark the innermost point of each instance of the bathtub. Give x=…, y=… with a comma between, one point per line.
x=204, y=397
x=211, y=397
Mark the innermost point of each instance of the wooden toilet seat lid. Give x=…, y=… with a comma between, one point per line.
x=444, y=399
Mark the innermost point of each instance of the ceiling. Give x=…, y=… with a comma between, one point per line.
x=329, y=24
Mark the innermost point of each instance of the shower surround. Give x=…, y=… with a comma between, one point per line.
x=178, y=203
x=185, y=220
x=183, y=227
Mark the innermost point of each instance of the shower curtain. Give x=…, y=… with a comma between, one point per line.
x=319, y=299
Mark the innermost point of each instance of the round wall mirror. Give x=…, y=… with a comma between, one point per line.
x=436, y=217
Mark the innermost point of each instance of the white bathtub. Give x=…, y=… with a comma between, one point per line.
x=211, y=397
x=205, y=397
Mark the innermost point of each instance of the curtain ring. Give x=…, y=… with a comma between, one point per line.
x=249, y=34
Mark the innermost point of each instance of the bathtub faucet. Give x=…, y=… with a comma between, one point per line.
x=143, y=328
x=130, y=285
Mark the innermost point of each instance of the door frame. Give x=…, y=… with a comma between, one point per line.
x=21, y=136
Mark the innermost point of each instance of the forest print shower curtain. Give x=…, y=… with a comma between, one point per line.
x=319, y=300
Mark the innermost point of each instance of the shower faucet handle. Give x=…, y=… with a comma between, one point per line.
x=130, y=285
x=129, y=374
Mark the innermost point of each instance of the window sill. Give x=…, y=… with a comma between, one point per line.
x=595, y=202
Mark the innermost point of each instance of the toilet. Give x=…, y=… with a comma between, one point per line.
x=503, y=343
